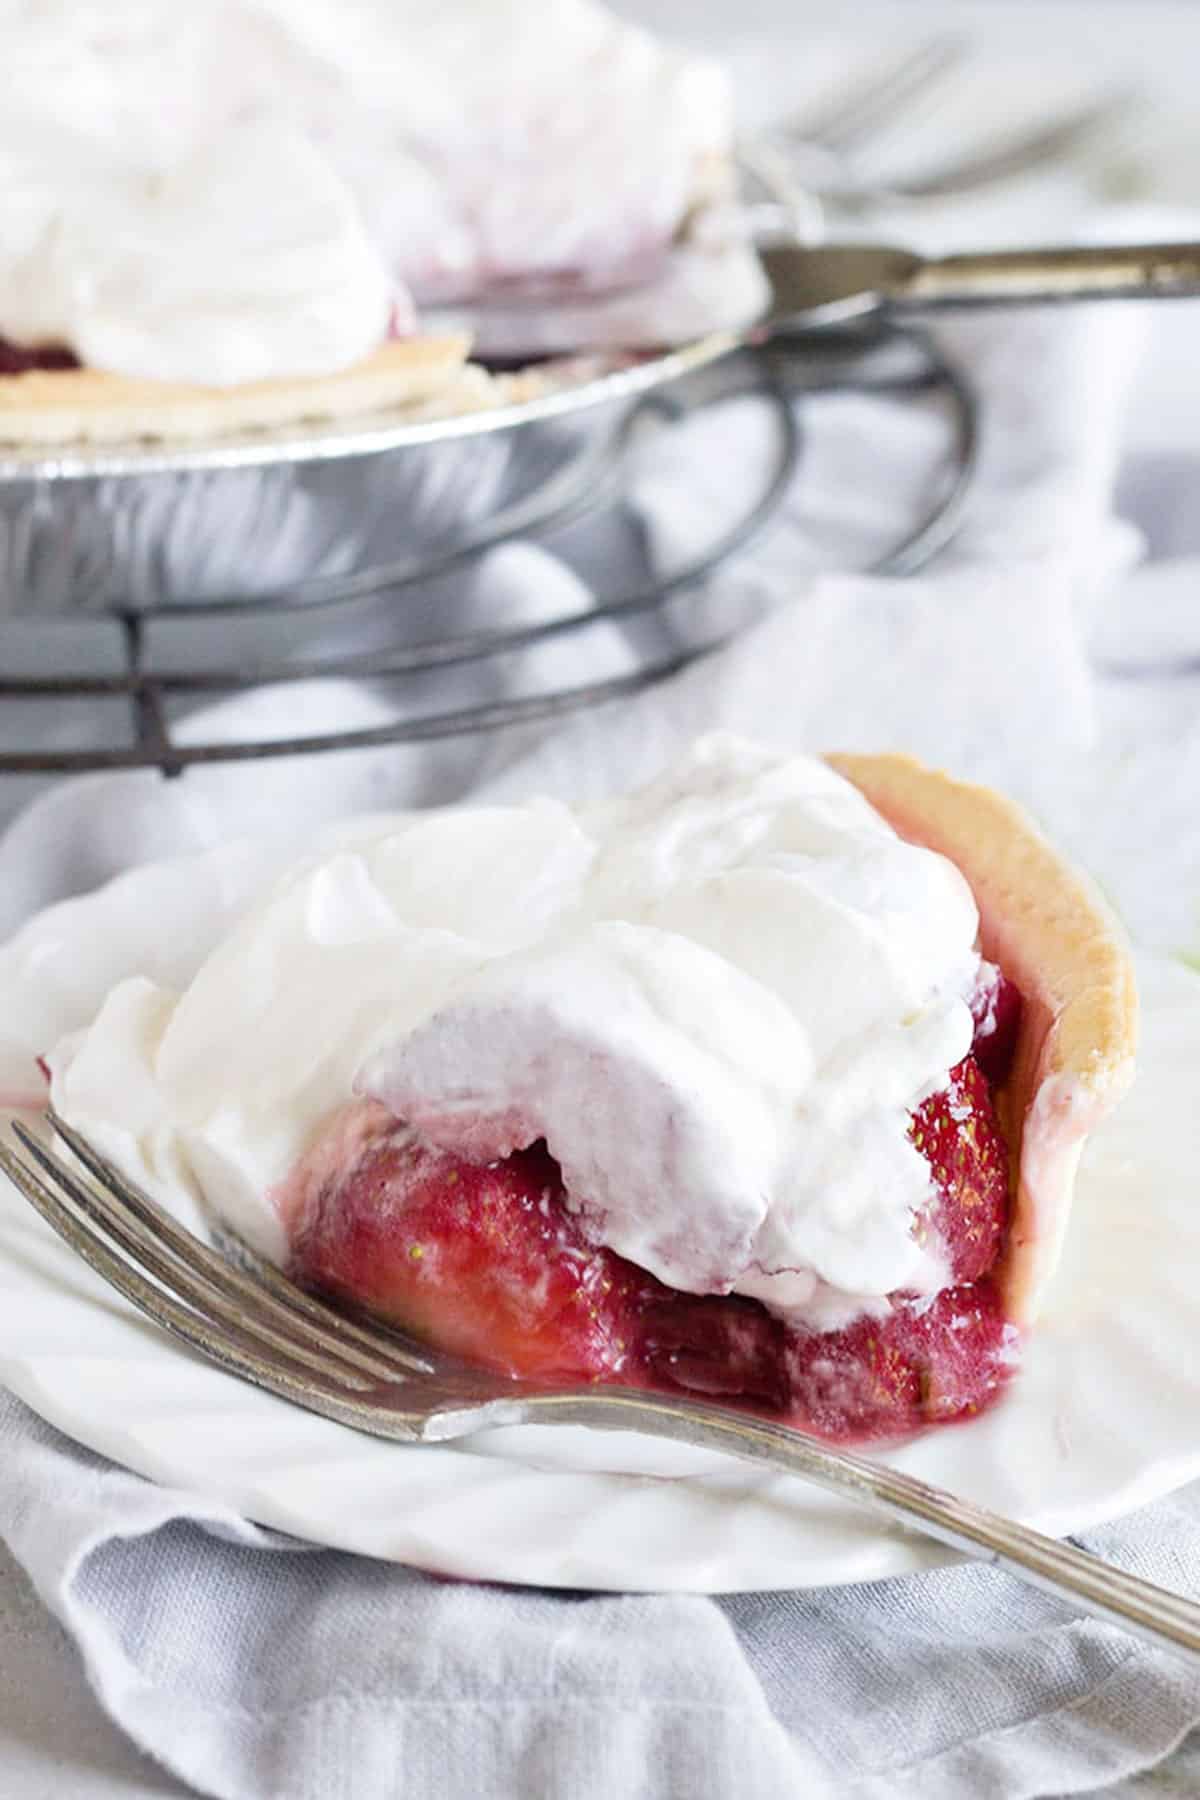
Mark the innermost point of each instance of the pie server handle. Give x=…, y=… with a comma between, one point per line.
x=841, y=283
x=1082, y=272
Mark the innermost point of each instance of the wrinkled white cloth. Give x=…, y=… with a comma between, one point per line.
x=252, y=1666
x=256, y=1667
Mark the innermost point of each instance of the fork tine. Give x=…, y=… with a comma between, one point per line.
x=1006, y=157
x=227, y=1345
x=449, y=1409
x=352, y=1323
x=387, y=1354
x=866, y=103
x=259, y=1320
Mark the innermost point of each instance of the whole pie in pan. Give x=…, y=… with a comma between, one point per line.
x=238, y=214
x=766, y=1081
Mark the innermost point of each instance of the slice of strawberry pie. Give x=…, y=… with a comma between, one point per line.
x=766, y=1082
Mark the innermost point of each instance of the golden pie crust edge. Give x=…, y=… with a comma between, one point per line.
x=94, y=406
x=1053, y=933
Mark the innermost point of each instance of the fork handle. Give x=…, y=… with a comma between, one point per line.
x=1162, y=1618
x=1085, y=272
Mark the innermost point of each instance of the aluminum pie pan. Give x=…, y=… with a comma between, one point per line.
x=367, y=435
x=257, y=515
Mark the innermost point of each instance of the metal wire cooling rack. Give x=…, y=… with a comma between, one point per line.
x=153, y=684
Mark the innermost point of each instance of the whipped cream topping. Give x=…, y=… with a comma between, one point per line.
x=718, y=999
x=241, y=189
x=245, y=260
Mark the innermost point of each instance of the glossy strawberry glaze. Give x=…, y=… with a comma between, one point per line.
x=488, y=1262
x=16, y=360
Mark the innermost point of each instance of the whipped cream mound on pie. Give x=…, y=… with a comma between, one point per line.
x=715, y=1086
x=247, y=194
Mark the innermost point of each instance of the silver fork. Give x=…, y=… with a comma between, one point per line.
x=799, y=161
x=997, y=159
x=253, y=1322
x=805, y=162
x=871, y=98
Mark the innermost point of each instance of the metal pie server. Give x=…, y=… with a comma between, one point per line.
x=812, y=286
x=838, y=284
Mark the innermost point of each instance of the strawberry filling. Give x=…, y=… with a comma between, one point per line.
x=488, y=1261
x=18, y=359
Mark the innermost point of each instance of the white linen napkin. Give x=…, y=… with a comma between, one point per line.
x=252, y=1666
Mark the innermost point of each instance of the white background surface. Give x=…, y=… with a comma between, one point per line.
x=54, y=1742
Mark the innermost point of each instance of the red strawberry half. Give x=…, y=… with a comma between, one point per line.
x=485, y=1261
x=959, y=1136
x=996, y=1009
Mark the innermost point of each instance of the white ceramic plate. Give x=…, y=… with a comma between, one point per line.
x=1105, y=1415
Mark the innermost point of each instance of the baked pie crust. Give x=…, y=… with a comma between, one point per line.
x=85, y=405
x=1051, y=932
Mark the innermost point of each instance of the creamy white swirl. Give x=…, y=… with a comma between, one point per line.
x=244, y=261
x=718, y=999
